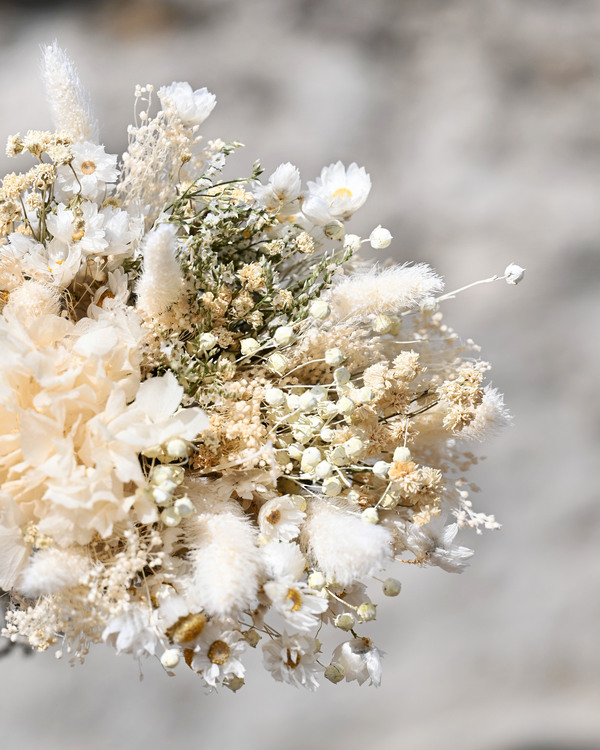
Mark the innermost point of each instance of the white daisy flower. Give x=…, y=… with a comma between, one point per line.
x=296, y=602
x=284, y=187
x=132, y=632
x=114, y=293
x=216, y=653
x=344, y=190
x=280, y=519
x=118, y=232
x=360, y=659
x=293, y=659
x=87, y=231
x=192, y=107
x=92, y=169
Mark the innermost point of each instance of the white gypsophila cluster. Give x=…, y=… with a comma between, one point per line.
x=217, y=428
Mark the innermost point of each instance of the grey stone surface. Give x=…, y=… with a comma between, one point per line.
x=480, y=125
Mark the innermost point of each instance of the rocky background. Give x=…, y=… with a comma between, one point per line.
x=479, y=121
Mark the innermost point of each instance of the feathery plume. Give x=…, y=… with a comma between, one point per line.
x=69, y=102
x=161, y=282
x=344, y=547
x=383, y=292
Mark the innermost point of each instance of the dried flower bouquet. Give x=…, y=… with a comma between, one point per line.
x=217, y=422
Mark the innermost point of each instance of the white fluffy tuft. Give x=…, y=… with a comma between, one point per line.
x=51, y=570
x=161, y=282
x=490, y=417
x=345, y=548
x=388, y=291
x=225, y=560
x=31, y=299
x=69, y=102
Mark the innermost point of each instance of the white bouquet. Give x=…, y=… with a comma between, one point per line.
x=217, y=422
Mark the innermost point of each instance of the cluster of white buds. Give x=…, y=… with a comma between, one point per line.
x=164, y=482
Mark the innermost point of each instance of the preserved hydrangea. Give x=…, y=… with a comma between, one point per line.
x=215, y=425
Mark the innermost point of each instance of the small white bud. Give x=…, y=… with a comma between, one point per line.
x=249, y=347
x=334, y=356
x=352, y=242
x=161, y=496
x=323, y=470
x=170, y=658
x=319, y=393
x=365, y=395
x=161, y=474
x=392, y=587
x=382, y=324
x=284, y=335
x=316, y=580
x=310, y=458
x=366, y=611
x=328, y=409
x=402, y=454
x=334, y=230
x=345, y=621
x=177, y=448
x=429, y=304
x=380, y=238
x=353, y=497
x=206, y=342
x=514, y=273
x=335, y=672
x=302, y=433
x=274, y=396
x=354, y=447
x=320, y=309
x=332, y=487
x=184, y=506
x=338, y=456
x=278, y=363
x=292, y=401
x=381, y=469
x=342, y=375
x=370, y=515
x=296, y=451
x=345, y=405
x=252, y=638
x=327, y=434
x=307, y=401
x=170, y=517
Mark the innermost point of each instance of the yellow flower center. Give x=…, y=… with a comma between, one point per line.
x=342, y=193
x=296, y=599
x=292, y=663
x=187, y=628
x=88, y=167
x=104, y=296
x=218, y=653
x=274, y=516
x=78, y=233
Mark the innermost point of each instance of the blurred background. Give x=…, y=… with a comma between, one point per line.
x=479, y=122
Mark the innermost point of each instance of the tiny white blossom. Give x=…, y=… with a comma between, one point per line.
x=296, y=602
x=361, y=661
x=293, y=659
x=192, y=107
x=280, y=519
x=380, y=238
x=514, y=273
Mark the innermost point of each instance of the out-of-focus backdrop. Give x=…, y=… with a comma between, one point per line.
x=479, y=122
